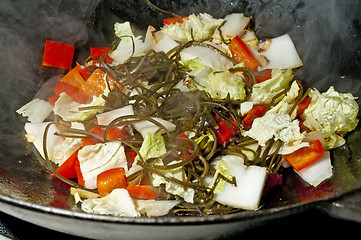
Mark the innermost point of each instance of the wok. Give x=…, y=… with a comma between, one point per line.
x=326, y=34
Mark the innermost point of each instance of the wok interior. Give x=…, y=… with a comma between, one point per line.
x=326, y=36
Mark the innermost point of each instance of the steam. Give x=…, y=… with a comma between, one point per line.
x=24, y=27
x=326, y=34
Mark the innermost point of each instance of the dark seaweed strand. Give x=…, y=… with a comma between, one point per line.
x=131, y=79
x=135, y=69
x=206, y=205
x=154, y=7
x=274, y=157
x=72, y=132
x=194, y=153
x=49, y=164
x=221, y=34
x=134, y=118
x=300, y=99
x=145, y=164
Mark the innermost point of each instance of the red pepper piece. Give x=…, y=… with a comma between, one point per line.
x=74, y=93
x=67, y=169
x=263, y=76
x=303, y=105
x=241, y=53
x=111, y=179
x=305, y=156
x=256, y=111
x=224, y=134
x=168, y=21
x=101, y=52
x=141, y=191
x=58, y=54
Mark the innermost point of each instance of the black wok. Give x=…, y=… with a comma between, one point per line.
x=327, y=36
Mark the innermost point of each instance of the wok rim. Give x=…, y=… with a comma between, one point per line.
x=259, y=215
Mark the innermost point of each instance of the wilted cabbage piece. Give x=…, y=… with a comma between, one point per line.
x=117, y=203
x=281, y=54
x=35, y=135
x=155, y=208
x=201, y=56
x=95, y=159
x=125, y=48
x=66, y=108
x=335, y=113
x=221, y=169
x=37, y=110
x=145, y=127
x=275, y=126
x=247, y=192
x=220, y=85
x=318, y=171
x=234, y=25
x=201, y=27
x=287, y=103
x=108, y=117
x=264, y=92
x=174, y=188
x=153, y=146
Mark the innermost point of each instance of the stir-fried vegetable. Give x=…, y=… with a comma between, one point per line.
x=58, y=54
x=187, y=118
x=241, y=53
x=111, y=179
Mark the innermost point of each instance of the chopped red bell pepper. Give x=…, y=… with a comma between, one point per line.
x=141, y=192
x=113, y=133
x=263, y=76
x=88, y=141
x=97, y=131
x=67, y=169
x=79, y=174
x=97, y=52
x=116, y=133
x=58, y=54
x=53, y=99
x=180, y=142
x=241, y=53
x=305, y=156
x=168, y=21
x=87, y=71
x=96, y=83
x=182, y=135
x=302, y=126
x=74, y=78
x=74, y=93
x=256, y=111
x=224, y=134
x=111, y=179
x=130, y=158
x=303, y=105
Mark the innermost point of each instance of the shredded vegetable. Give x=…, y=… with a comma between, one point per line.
x=197, y=129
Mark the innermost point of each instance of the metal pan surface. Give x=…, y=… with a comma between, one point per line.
x=327, y=36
